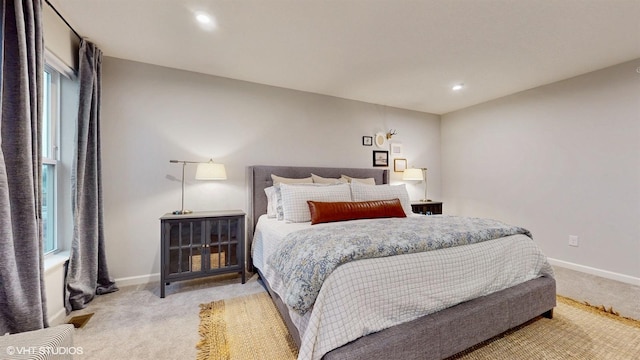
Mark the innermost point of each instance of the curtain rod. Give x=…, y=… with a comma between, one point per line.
x=63, y=19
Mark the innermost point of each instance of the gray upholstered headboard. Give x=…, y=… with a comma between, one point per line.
x=260, y=178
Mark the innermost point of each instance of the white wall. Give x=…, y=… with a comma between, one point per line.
x=562, y=159
x=152, y=114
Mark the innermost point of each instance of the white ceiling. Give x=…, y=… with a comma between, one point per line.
x=400, y=53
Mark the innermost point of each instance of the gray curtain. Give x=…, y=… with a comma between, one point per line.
x=87, y=273
x=22, y=295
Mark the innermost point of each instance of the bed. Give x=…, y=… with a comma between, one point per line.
x=436, y=335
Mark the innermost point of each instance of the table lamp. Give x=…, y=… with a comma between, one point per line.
x=204, y=171
x=417, y=174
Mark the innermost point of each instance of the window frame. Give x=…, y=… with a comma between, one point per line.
x=51, y=154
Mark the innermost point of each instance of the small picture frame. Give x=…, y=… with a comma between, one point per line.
x=380, y=158
x=399, y=164
x=381, y=141
x=396, y=149
x=367, y=141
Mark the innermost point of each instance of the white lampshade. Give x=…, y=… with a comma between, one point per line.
x=412, y=174
x=211, y=171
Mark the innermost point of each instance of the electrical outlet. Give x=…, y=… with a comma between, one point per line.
x=573, y=240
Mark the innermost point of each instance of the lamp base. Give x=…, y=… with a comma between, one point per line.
x=182, y=212
x=426, y=200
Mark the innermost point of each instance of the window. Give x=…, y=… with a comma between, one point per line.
x=50, y=122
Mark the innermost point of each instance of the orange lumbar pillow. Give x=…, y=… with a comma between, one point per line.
x=323, y=212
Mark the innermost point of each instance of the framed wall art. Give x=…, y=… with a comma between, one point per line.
x=399, y=164
x=396, y=149
x=381, y=140
x=380, y=158
x=367, y=141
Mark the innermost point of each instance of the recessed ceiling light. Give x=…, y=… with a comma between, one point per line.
x=203, y=18
x=457, y=87
x=205, y=21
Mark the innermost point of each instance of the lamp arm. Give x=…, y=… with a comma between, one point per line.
x=424, y=178
x=184, y=164
x=424, y=171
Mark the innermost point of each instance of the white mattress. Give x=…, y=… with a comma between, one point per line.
x=370, y=295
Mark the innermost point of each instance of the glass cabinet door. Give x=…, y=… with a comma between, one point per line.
x=185, y=246
x=224, y=237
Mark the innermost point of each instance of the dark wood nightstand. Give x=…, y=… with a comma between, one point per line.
x=201, y=244
x=427, y=207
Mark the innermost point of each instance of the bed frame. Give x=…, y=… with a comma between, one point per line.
x=435, y=336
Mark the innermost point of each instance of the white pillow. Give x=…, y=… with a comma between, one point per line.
x=272, y=202
x=283, y=180
x=364, y=192
x=369, y=181
x=322, y=180
x=277, y=180
x=294, y=198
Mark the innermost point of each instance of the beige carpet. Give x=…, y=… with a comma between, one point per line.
x=250, y=327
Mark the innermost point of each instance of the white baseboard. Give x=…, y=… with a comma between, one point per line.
x=137, y=280
x=597, y=272
x=58, y=318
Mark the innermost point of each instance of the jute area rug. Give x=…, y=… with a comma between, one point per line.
x=250, y=327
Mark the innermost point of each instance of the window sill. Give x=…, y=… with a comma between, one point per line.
x=55, y=260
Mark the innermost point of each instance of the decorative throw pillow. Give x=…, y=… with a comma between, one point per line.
x=363, y=192
x=295, y=197
x=369, y=181
x=323, y=212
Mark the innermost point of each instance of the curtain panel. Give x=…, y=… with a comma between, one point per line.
x=22, y=294
x=87, y=273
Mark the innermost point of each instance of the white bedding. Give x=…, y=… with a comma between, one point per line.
x=370, y=295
